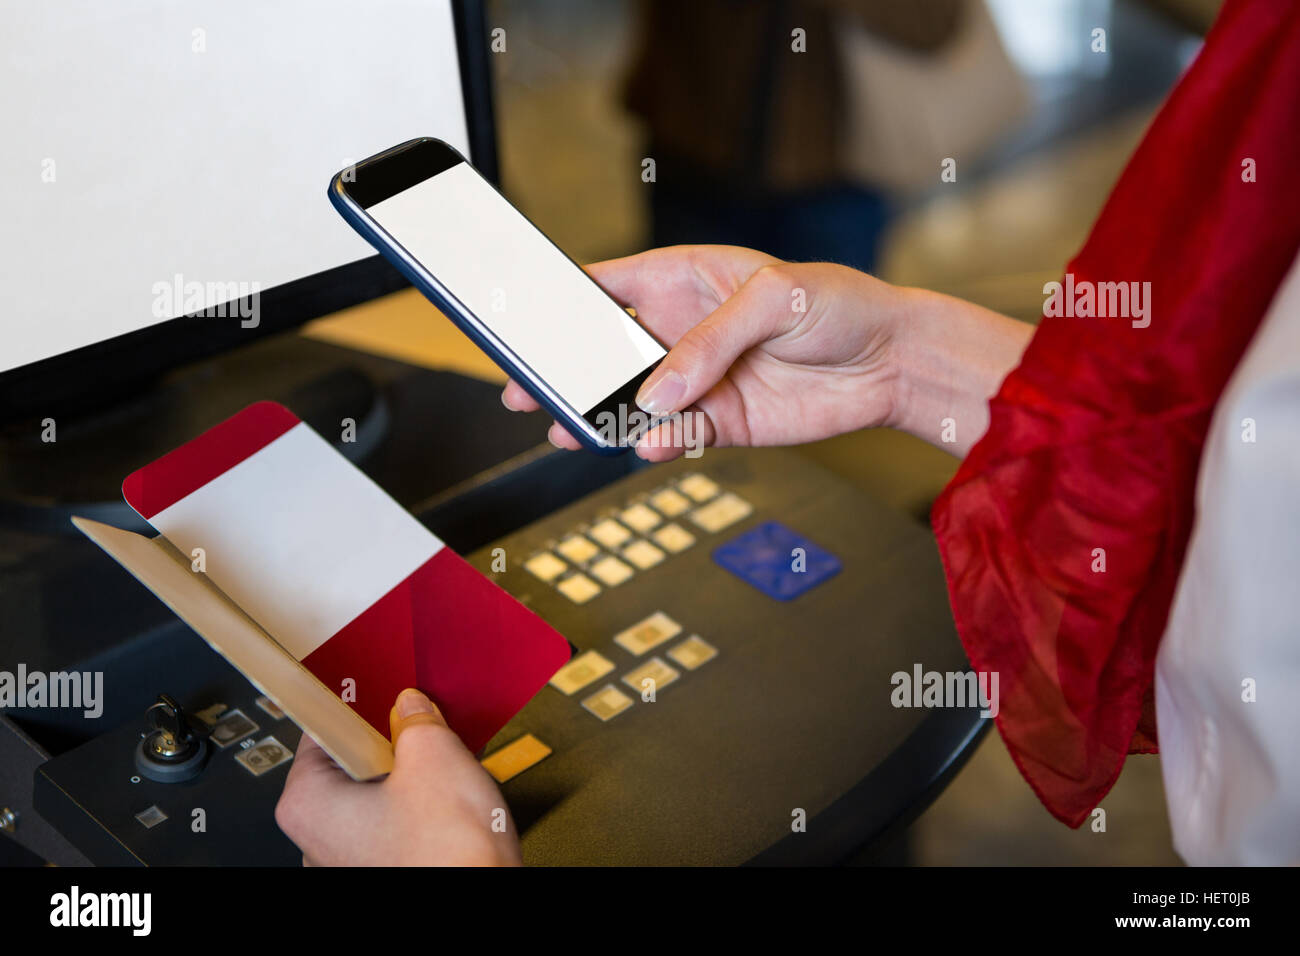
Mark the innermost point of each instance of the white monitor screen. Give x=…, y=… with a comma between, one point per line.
x=516, y=282
x=159, y=149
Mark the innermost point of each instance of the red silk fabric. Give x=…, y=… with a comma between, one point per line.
x=1095, y=438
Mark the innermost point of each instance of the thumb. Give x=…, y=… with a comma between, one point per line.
x=412, y=709
x=759, y=310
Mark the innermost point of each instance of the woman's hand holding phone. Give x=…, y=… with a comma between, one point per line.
x=777, y=353
x=769, y=352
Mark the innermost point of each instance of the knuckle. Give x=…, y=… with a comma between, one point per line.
x=286, y=813
x=708, y=339
x=777, y=276
x=290, y=813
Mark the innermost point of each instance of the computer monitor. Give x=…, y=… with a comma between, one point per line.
x=165, y=169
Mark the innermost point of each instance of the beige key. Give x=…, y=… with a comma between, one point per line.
x=640, y=518
x=577, y=549
x=671, y=502
x=698, y=487
x=647, y=634
x=722, y=512
x=653, y=670
x=611, y=571
x=693, y=652
x=151, y=816
x=643, y=554
x=581, y=671
x=609, y=533
x=673, y=537
x=578, y=588
x=608, y=702
x=515, y=757
x=269, y=707
x=212, y=715
x=546, y=566
x=265, y=755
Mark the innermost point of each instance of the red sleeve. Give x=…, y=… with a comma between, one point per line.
x=1094, y=441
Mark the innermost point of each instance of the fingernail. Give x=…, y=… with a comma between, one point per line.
x=411, y=702
x=661, y=393
x=506, y=403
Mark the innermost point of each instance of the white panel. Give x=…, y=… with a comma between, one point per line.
x=210, y=165
x=299, y=538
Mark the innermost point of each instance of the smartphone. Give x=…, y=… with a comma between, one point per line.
x=530, y=307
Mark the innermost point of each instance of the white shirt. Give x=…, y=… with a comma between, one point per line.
x=1231, y=764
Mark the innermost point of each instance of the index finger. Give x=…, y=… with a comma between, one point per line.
x=516, y=399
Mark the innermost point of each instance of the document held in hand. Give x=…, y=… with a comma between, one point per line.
x=327, y=594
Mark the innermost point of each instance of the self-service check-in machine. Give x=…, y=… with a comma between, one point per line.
x=768, y=600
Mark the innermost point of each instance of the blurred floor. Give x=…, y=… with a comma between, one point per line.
x=571, y=160
x=988, y=816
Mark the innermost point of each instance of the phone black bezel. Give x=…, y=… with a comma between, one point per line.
x=88, y=377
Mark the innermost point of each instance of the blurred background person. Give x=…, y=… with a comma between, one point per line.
x=748, y=116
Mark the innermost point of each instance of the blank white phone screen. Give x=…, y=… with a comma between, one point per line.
x=517, y=283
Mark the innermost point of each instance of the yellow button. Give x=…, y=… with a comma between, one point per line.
x=515, y=757
x=654, y=671
x=670, y=502
x=643, y=554
x=578, y=588
x=698, y=487
x=674, y=538
x=640, y=518
x=546, y=566
x=609, y=533
x=693, y=652
x=577, y=549
x=581, y=671
x=721, y=512
x=607, y=702
x=647, y=634
x=612, y=571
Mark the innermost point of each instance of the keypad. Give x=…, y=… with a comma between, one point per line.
x=644, y=533
x=638, y=640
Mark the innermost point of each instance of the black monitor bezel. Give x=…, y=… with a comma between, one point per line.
x=85, y=377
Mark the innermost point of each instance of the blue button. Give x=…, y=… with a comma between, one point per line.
x=777, y=561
